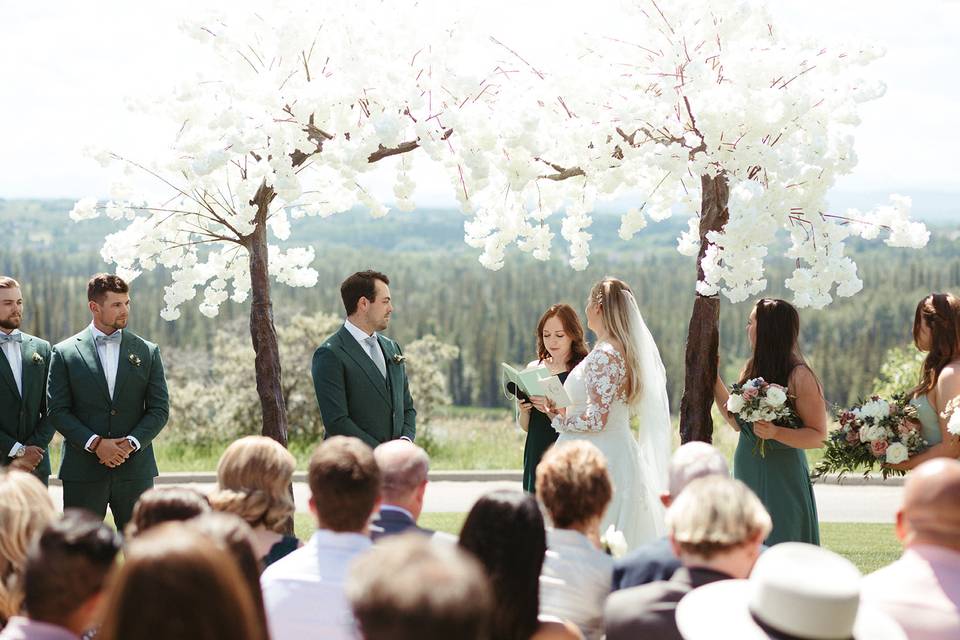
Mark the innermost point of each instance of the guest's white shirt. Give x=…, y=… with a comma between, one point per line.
x=921, y=591
x=575, y=581
x=303, y=592
x=13, y=353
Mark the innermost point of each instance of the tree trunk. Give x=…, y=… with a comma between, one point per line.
x=703, y=335
x=262, y=331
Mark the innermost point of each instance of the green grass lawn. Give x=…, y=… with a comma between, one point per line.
x=868, y=545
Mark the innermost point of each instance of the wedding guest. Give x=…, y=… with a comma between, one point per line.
x=175, y=583
x=656, y=560
x=936, y=332
x=921, y=590
x=409, y=589
x=504, y=531
x=65, y=579
x=403, y=468
x=235, y=536
x=25, y=510
x=797, y=591
x=165, y=504
x=304, y=591
x=778, y=472
x=560, y=348
x=716, y=527
x=573, y=485
x=254, y=480
x=25, y=431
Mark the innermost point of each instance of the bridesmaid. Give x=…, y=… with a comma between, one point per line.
x=560, y=347
x=781, y=478
x=936, y=331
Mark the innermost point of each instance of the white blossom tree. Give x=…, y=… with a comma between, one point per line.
x=704, y=104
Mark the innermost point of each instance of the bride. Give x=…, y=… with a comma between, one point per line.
x=622, y=376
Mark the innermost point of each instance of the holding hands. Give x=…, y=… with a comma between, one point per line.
x=112, y=452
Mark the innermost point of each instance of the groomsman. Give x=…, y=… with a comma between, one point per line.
x=108, y=397
x=25, y=431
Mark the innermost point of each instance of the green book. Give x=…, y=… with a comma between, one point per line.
x=538, y=381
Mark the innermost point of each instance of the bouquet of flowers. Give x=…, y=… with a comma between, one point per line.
x=876, y=431
x=758, y=400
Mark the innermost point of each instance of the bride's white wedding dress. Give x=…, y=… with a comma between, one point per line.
x=600, y=415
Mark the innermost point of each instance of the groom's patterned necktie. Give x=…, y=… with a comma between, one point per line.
x=373, y=349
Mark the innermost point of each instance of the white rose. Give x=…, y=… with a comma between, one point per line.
x=776, y=397
x=953, y=426
x=614, y=541
x=735, y=404
x=897, y=453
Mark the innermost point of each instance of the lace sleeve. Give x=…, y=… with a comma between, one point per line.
x=603, y=376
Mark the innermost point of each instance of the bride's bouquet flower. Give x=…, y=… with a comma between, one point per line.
x=757, y=400
x=875, y=431
x=952, y=413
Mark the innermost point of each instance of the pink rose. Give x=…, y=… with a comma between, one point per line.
x=878, y=448
x=907, y=427
x=853, y=437
x=847, y=417
x=750, y=394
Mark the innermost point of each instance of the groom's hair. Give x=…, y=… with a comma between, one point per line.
x=362, y=284
x=8, y=283
x=103, y=283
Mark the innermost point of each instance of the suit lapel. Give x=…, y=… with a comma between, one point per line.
x=88, y=351
x=7, y=373
x=353, y=349
x=124, y=366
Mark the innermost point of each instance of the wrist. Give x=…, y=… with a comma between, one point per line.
x=96, y=443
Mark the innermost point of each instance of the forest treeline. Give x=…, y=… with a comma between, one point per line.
x=439, y=288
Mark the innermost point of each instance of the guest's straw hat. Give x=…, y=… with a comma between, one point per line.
x=796, y=591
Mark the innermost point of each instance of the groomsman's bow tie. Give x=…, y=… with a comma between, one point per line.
x=13, y=337
x=113, y=338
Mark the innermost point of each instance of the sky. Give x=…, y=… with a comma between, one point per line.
x=68, y=70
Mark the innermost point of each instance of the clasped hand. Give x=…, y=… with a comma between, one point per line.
x=113, y=452
x=765, y=430
x=547, y=406
x=29, y=460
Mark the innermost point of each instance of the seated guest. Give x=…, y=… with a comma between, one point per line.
x=254, y=477
x=175, y=583
x=25, y=510
x=573, y=486
x=234, y=536
x=409, y=589
x=656, y=560
x=165, y=504
x=796, y=591
x=403, y=469
x=921, y=590
x=504, y=531
x=716, y=527
x=64, y=579
x=303, y=592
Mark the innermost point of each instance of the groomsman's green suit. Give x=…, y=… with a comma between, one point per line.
x=23, y=418
x=81, y=407
x=354, y=397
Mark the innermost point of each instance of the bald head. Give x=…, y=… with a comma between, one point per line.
x=403, y=468
x=931, y=504
x=691, y=461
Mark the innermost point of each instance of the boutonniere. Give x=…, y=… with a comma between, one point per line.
x=399, y=358
x=37, y=358
x=134, y=360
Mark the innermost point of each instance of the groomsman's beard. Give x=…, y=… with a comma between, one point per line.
x=11, y=323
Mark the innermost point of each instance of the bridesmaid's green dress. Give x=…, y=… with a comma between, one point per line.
x=781, y=479
x=540, y=435
x=929, y=421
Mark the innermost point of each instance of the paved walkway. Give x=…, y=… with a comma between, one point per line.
x=835, y=503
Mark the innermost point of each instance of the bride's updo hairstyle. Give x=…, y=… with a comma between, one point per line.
x=941, y=313
x=610, y=294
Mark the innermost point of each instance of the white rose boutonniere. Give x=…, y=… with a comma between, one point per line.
x=134, y=360
x=399, y=358
x=613, y=542
x=37, y=359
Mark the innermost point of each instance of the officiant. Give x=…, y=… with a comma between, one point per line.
x=560, y=347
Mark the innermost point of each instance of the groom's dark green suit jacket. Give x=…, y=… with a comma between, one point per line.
x=355, y=400
x=23, y=418
x=80, y=406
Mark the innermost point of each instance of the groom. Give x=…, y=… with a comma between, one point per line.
x=358, y=375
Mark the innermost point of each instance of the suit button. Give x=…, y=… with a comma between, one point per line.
x=113, y=412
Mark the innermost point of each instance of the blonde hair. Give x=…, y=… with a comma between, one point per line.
x=254, y=476
x=25, y=510
x=573, y=483
x=610, y=295
x=7, y=282
x=714, y=514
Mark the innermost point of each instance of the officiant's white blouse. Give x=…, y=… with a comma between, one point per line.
x=575, y=581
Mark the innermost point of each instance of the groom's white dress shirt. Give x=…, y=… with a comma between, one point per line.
x=109, y=354
x=303, y=592
x=12, y=351
x=370, y=345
